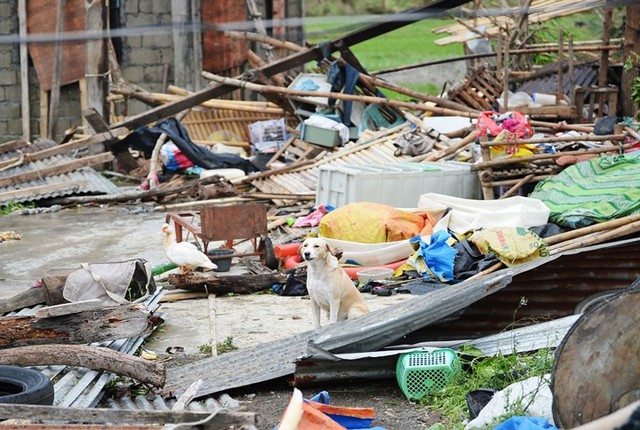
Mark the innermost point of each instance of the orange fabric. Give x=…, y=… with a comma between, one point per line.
x=367, y=413
x=314, y=419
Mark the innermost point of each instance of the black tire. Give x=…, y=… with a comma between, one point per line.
x=25, y=386
x=270, y=260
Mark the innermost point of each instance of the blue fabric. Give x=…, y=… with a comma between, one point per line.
x=526, y=423
x=438, y=256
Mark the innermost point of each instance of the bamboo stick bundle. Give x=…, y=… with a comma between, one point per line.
x=587, y=138
x=599, y=237
x=515, y=160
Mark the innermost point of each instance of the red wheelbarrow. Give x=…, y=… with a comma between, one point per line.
x=229, y=224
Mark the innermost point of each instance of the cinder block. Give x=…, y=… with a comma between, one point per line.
x=8, y=77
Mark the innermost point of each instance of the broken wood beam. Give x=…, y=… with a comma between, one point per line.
x=108, y=323
x=13, y=145
x=69, y=166
x=214, y=284
x=220, y=421
x=91, y=357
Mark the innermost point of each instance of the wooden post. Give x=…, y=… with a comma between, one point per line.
x=196, y=41
x=505, y=80
x=24, y=70
x=572, y=76
x=182, y=50
x=560, y=94
x=44, y=112
x=631, y=47
x=54, y=101
x=97, y=60
x=604, y=55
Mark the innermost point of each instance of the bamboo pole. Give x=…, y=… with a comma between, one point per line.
x=587, y=138
x=599, y=237
x=162, y=98
x=276, y=43
x=581, y=237
x=515, y=160
x=516, y=186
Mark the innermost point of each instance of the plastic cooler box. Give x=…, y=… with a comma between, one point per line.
x=395, y=184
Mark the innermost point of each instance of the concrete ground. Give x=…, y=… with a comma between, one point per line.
x=71, y=236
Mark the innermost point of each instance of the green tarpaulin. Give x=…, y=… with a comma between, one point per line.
x=593, y=191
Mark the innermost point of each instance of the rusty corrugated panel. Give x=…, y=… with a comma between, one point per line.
x=551, y=291
x=222, y=53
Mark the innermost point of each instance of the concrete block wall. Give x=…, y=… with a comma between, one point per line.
x=144, y=55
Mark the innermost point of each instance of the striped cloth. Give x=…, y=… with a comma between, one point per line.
x=593, y=191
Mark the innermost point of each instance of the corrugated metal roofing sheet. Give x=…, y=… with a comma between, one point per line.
x=585, y=76
x=82, y=181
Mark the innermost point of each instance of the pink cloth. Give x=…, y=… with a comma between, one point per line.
x=311, y=220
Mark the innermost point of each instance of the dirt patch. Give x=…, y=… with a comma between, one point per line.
x=392, y=409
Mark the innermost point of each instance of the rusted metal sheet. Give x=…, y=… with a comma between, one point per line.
x=41, y=19
x=596, y=368
x=222, y=53
x=553, y=290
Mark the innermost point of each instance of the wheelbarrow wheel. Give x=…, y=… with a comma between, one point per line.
x=269, y=258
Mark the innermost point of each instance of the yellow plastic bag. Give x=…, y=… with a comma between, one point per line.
x=367, y=222
x=512, y=245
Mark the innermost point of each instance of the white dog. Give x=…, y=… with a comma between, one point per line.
x=329, y=286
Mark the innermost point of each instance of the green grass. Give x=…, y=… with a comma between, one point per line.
x=14, y=206
x=496, y=372
x=411, y=44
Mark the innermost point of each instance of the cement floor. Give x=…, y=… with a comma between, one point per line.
x=72, y=236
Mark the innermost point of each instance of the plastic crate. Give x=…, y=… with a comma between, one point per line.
x=426, y=371
x=395, y=184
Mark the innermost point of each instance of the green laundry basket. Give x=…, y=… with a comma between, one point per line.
x=425, y=371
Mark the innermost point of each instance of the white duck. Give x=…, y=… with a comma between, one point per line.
x=185, y=255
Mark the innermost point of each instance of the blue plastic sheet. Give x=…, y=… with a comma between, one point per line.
x=434, y=259
x=526, y=423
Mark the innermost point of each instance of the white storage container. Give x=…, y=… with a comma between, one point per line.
x=395, y=184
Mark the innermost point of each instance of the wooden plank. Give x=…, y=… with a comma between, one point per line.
x=44, y=111
x=24, y=70
x=221, y=420
x=12, y=145
x=105, y=157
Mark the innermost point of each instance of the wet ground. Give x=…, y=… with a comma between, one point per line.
x=68, y=237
